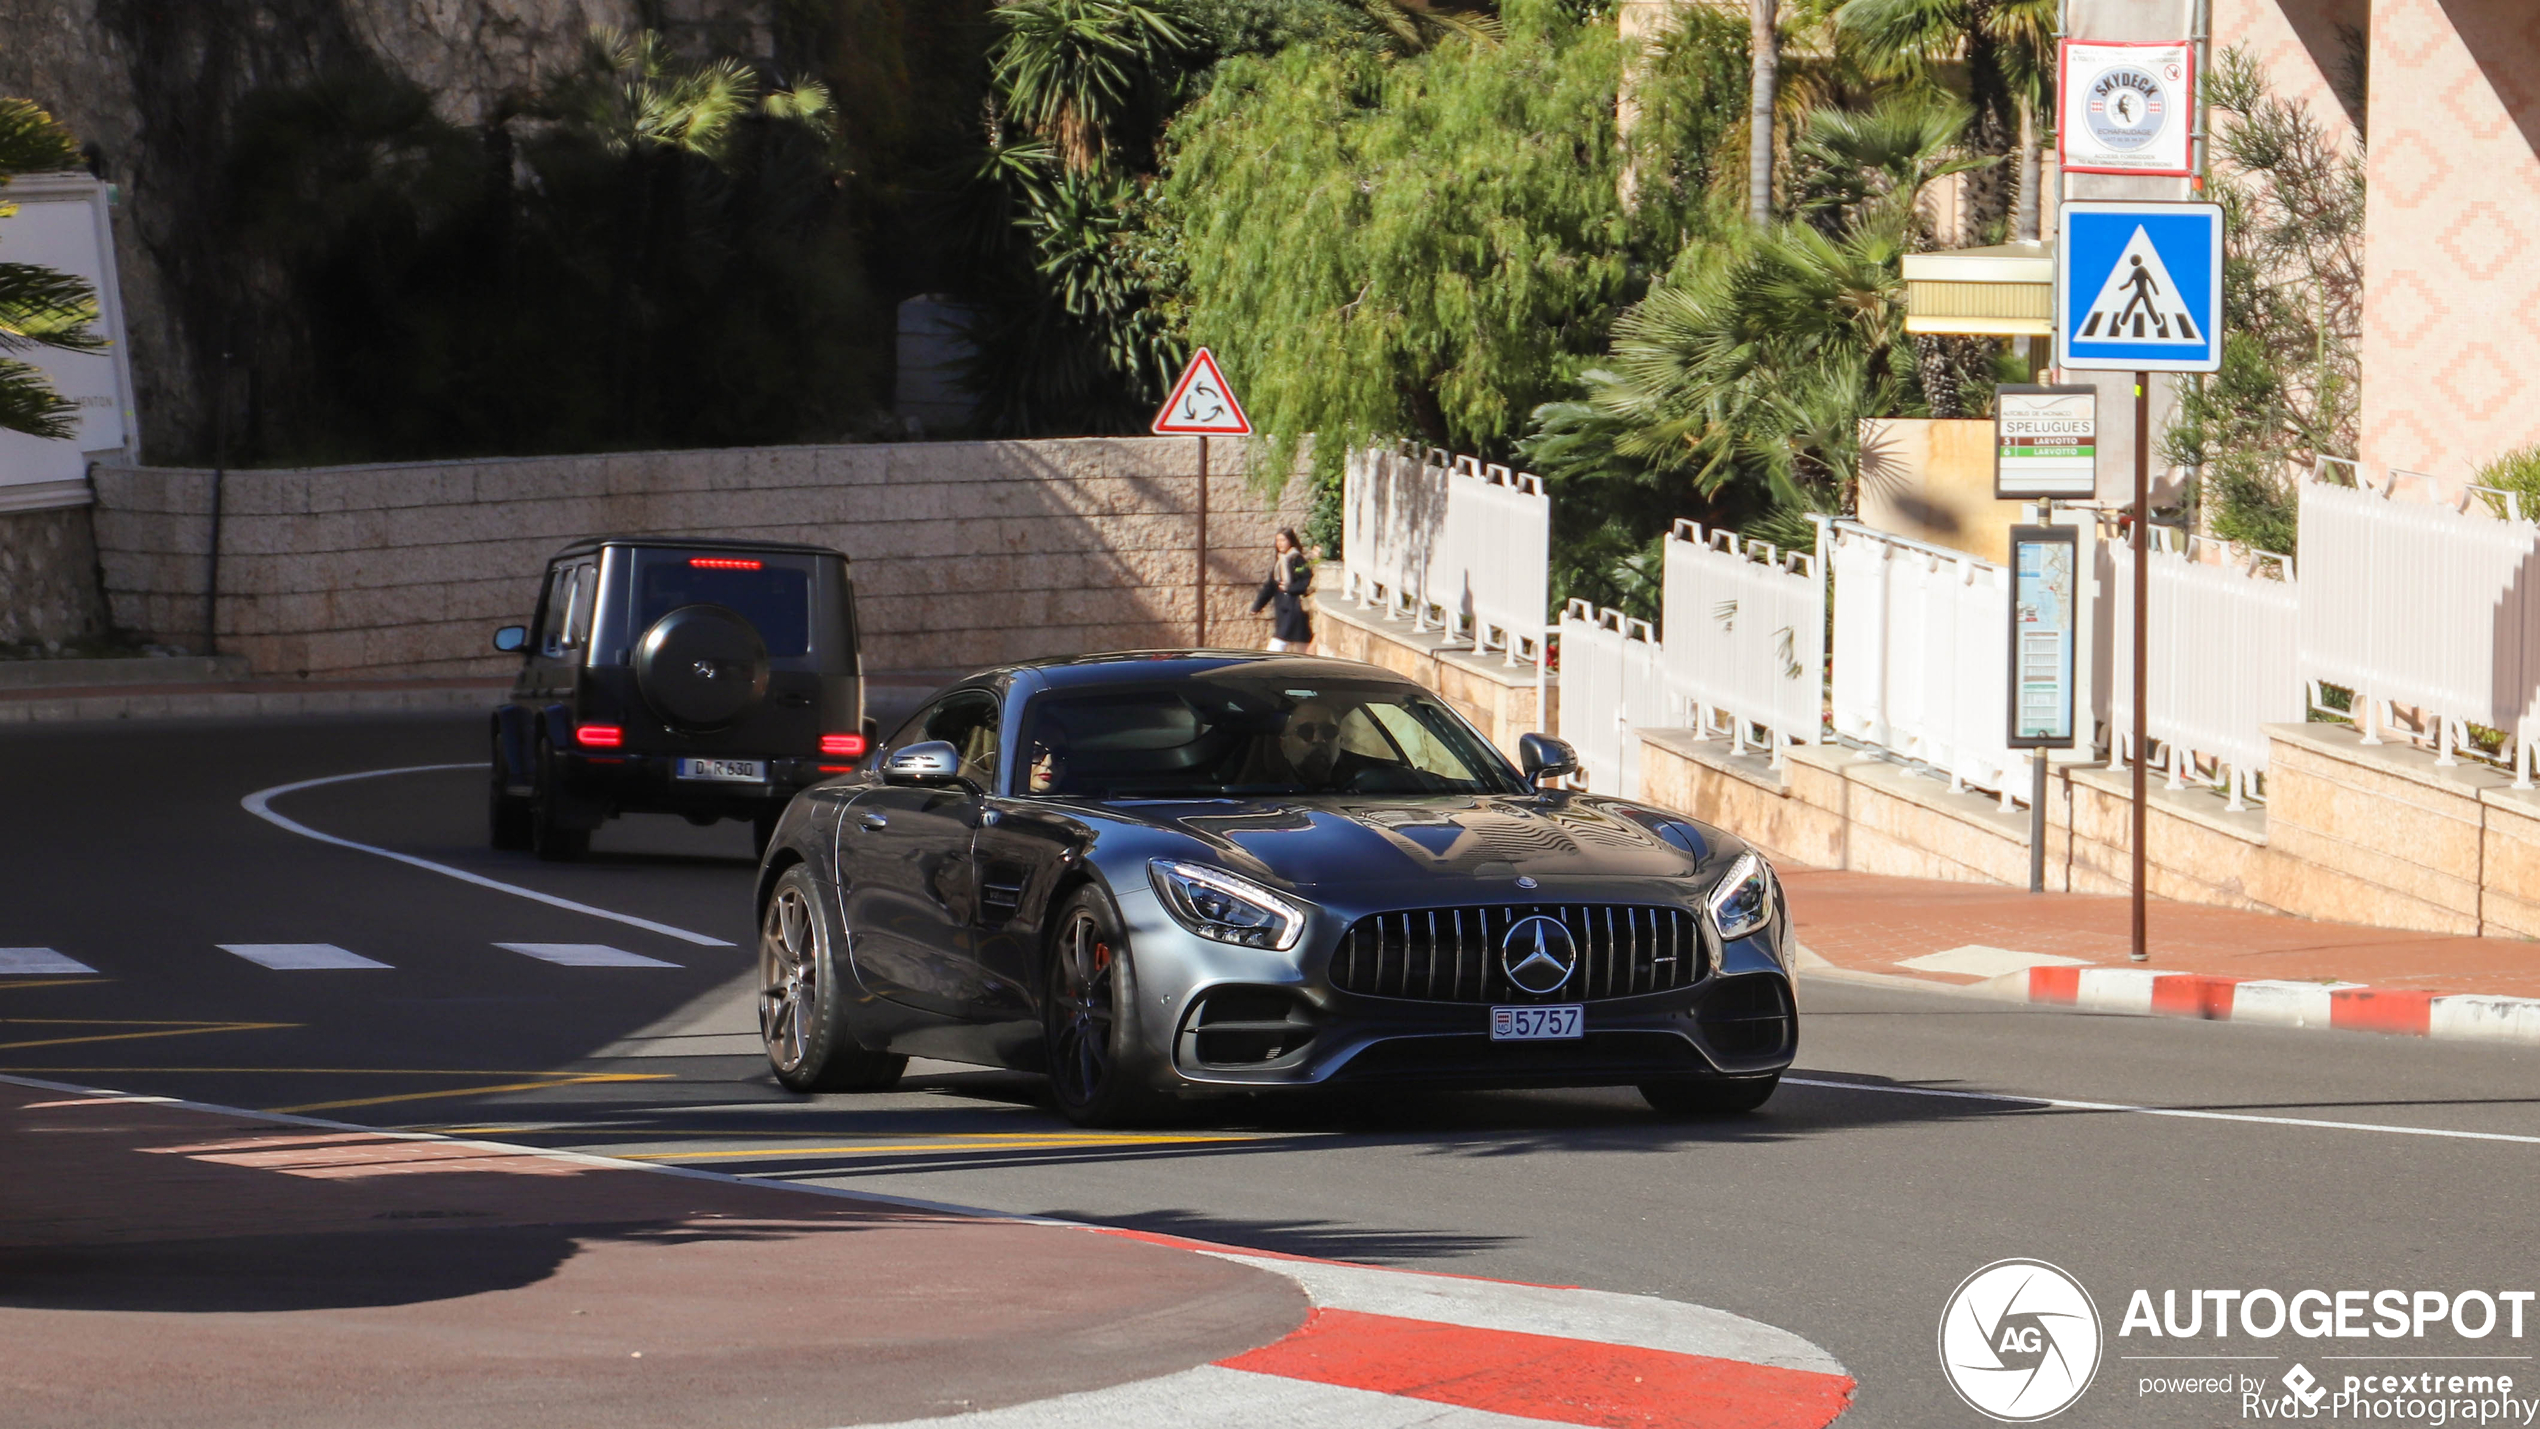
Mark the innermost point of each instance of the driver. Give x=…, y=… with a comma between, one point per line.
x=1047, y=769
x=1311, y=740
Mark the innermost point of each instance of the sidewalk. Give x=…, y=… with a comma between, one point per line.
x=2072, y=948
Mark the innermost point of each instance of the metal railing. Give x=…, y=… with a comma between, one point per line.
x=1922, y=653
x=2222, y=660
x=1448, y=541
x=1611, y=684
x=1744, y=625
x=2429, y=606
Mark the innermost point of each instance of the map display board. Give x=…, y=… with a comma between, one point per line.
x=2045, y=565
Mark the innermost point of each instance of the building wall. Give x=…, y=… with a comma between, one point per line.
x=964, y=553
x=2309, y=49
x=48, y=579
x=2451, y=270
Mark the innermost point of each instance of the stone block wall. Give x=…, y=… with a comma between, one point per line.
x=963, y=553
x=48, y=578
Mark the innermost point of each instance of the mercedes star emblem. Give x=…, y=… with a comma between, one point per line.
x=1539, y=955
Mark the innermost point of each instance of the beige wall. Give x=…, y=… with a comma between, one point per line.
x=2303, y=46
x=2452, y=256
x=964, y=553
x=1932, y=480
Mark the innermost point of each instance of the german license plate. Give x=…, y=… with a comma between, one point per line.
x=1558, y=1022
x=728, y=771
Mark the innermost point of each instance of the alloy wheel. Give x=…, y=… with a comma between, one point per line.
x=1081, y=1011
x=789, y=979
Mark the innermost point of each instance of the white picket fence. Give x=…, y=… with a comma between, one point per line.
x=1449, y=541
x=1922, y=653
x=1611, y=685
x=2221, y=662
x=1744, y=626
x=2429, y=606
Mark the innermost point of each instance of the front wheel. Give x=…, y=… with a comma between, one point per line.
x=1090, y=1018
x=1709, y=1096
x=801, y=1017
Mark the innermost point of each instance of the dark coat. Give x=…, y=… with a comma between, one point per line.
x=1284, y=591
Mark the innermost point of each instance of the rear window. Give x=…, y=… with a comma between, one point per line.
x=776, y=599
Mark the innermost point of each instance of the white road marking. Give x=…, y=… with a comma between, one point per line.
x=585, y=955
x=2189, y=1113
x=16, y=962
x=299, y=957
x=260, y=805
x=1223, y=1398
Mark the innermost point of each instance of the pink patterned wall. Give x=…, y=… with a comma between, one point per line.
x=2304, y=46
x=2452, y=265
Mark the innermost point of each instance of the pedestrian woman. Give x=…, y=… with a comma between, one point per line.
x=1284, y=591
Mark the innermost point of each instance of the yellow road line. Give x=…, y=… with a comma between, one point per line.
x=11, y=984
x=1048, y=1144
x=475, y=1091
x=343, y=1071
x=139, y=1036
x=726, y=1133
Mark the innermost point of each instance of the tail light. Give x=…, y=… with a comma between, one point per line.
x=852, y=746
x=723, y=563
x=599, y=736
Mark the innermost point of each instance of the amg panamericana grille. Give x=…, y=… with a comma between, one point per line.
x=1453, y=954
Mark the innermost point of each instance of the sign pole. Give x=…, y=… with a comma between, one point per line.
x=2037, y=775
x=1199, y=577
x=2142, y=541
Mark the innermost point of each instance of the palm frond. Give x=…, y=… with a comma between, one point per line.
x=32, y=141
x=29, y=404
x=40, y=307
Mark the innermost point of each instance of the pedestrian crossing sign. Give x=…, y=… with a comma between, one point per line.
x=2138, y=287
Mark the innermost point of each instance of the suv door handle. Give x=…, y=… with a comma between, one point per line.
x=874, y=821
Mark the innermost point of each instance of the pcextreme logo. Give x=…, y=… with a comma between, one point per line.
x=2019, y=1341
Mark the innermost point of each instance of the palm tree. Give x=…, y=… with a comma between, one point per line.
x=1070, y=70
x=39, y=307
x=1419, y=24
x=1765, y=75
x=2009, y=50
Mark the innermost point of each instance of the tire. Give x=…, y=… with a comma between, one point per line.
x=1090, y=1018
x=1709, y=1096
x=801, y=1018
x=550, y=838
x=507, y=814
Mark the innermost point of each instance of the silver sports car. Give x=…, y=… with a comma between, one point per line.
x=1167, y=874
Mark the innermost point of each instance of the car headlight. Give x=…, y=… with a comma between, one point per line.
x=1216, y=904
x=1743, y=901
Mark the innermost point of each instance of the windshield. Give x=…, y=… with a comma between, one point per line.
x=1235, y=736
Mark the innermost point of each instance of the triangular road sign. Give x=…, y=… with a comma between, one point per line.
x=1202, y=405
x=2139, y=303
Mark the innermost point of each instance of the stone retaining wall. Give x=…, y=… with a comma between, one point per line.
x=964, y=553
x=48, y=578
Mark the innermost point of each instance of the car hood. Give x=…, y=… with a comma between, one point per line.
x=1322, y=841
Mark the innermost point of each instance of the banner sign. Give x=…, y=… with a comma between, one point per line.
x=2127, y=108
x=2045, y=443
x=2045, y=565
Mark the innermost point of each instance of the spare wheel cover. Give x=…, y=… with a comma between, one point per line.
x=702, y=666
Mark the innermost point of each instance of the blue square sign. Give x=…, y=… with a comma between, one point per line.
x=2138, y=287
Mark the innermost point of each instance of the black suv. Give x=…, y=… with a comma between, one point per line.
x=707, y=678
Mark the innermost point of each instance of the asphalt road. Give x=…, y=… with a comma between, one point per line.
x=1846, y=1211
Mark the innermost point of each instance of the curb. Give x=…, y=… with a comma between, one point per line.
x=49, y=707
x=2316, y=1006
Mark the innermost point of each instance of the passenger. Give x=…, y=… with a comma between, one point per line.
x=1048, y=768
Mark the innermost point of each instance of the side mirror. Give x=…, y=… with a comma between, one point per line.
x=931, y=761
x=512, y=639
x=1544, y=757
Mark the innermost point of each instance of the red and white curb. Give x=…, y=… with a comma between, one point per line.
x=2349, y=1007
x=1392, y=1349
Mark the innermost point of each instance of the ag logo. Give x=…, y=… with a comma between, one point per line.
x=2019, y=1341
x=2306, y=1386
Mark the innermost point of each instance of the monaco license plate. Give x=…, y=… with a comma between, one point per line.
x=1557, y=1022
x=728, y=771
